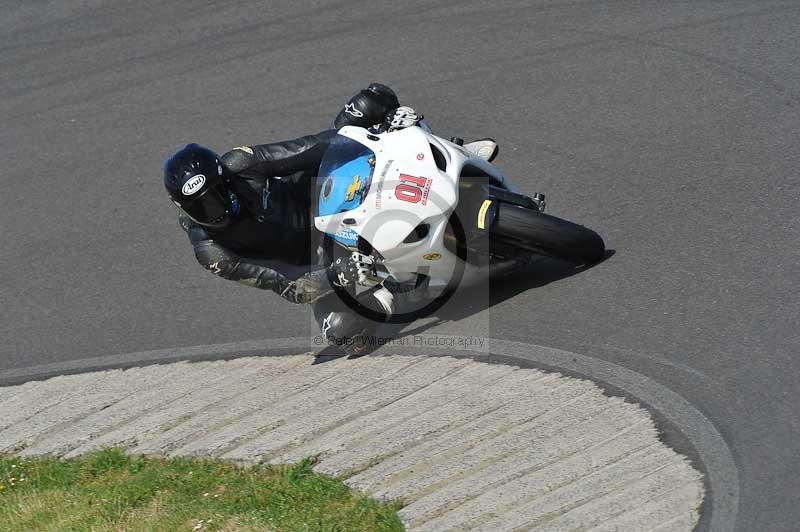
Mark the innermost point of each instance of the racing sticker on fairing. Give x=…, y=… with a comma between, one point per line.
x=413, y=189
x=346, y=237
x=482, y=214
x=353, y=188
x=379, y=186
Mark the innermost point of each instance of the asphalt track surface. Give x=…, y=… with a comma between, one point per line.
x=670, y=128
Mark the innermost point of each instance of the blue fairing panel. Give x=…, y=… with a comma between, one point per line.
x=345, y=175
x=346, y=186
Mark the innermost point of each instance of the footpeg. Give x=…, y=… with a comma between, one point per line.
x=538, y=199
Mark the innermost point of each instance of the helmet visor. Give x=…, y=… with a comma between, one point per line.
x=210, y=208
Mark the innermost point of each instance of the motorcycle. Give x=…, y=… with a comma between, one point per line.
x=431, y=213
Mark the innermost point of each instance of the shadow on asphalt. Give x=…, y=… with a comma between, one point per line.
x=472, y=300
x=469, y=301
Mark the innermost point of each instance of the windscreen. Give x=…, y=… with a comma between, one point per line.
x=344, y=176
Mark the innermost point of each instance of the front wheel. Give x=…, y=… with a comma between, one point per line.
x=541, y=233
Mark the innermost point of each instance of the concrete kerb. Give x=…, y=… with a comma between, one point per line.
x=708, y=449
x=271, y=347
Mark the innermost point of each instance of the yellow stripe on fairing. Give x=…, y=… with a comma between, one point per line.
x=482, y=214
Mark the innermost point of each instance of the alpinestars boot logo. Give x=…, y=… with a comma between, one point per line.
x=351, y=110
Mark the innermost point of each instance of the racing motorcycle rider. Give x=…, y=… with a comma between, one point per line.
x=253, y=205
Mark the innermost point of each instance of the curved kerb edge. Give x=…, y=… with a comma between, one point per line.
x=717, y=461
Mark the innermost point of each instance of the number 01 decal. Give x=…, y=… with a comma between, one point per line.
x=413, y=189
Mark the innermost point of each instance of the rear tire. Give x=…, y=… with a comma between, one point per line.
x=541, y=233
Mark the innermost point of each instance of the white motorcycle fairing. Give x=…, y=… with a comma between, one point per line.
x=408, y=195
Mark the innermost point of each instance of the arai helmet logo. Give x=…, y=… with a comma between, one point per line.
x=193, y=185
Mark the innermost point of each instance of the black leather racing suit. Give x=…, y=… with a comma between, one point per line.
x=273, y=184
x=273, y=229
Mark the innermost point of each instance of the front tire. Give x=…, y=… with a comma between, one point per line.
x=541, y=233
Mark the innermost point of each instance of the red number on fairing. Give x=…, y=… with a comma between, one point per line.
x=409, y=192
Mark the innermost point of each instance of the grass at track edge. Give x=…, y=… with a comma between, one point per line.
x=109, y=490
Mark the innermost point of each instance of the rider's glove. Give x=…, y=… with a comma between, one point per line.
x=356, y=269
x=304, y=290
x=402, y=118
